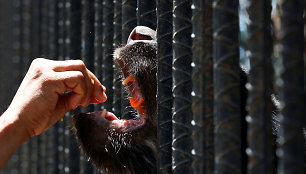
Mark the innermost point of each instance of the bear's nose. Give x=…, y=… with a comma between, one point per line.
x=142, y=33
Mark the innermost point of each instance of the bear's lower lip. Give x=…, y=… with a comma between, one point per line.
x=119, y=125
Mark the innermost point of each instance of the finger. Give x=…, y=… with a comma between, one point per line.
x=75, y=81
x=65, y=104
x=75, y=65
x=68, y=65
x=95, y=90
x=98, y=95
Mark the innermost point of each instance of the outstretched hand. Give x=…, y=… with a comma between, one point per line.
x=42, y=98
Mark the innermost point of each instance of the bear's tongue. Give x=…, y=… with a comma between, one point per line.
x=121, y=125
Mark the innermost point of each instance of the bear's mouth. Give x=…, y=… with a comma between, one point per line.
x=136, y=101
x=109, y=119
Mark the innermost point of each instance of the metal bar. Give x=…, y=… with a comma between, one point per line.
x=146, y=13
x=108, y=29
x=291, y=86
x=198, y=86
x=259, y=43
x=98, y=44
x=61, y=56
x=73, y=42
x=182, y=85
x=35, y=47
x=209, y=89
x=52, y=145
x=129, y=21
x=164, y=87
x=117, y=42
x=88, y=15
x=25, y=63
x=227, y=86
x=10, y=49
x=43, y=20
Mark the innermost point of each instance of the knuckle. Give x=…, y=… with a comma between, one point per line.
x=81, y=64
x=38, y=65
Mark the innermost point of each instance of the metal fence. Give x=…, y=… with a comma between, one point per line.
x=199, y=101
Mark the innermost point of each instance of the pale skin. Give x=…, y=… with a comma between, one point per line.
x=42, y=99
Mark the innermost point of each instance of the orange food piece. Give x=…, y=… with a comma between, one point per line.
x=138, y=104
x=128, y=79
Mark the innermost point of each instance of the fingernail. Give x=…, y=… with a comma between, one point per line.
x=104, y=97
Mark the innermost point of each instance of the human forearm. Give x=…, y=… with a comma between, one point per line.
x=12, y=135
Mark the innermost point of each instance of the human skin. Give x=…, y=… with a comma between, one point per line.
x=42, y=99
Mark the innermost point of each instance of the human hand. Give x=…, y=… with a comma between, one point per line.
x=41, y=99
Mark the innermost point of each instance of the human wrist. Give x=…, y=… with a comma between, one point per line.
x=13, y=125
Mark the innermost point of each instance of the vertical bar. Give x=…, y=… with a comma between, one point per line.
x=108, y=29
x=117, y=43
x=98, y=43
x=74, y=29
x=10, y=48
x=199, y=86
x=88, y=15
x=25, y=63
x=129, y=21
x=182, y=114
x=52, y=152
x=292, y=87
x=88, y=34
x=209, y=89
x=16, y=63
x=35, y=52
x=146, y=13
x=73, y=25
x=61, y=56
x=260, y=138
x=42, y=151
x=227, y=86
x=164, y=87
